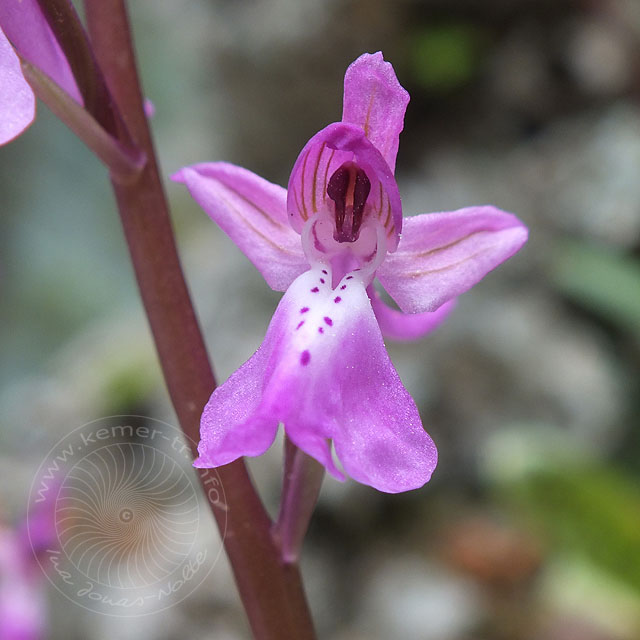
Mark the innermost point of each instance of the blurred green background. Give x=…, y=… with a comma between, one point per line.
x=530, y=528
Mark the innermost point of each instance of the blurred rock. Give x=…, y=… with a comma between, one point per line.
x=407, y=597
x=599, y=55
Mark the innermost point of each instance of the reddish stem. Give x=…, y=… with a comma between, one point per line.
x=69, y=32
x=300, y=489
x=271, y=591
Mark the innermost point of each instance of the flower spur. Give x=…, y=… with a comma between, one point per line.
x=322, y=369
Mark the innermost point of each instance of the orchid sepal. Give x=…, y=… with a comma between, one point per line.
x=442, y=255
x=252, y=212
x=375, y=101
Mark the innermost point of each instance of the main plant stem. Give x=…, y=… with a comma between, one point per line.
x=271, y=590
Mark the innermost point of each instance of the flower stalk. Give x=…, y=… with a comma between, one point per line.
x=124, y=163
x=70, y=35
x=271, y=590
x=300, y=489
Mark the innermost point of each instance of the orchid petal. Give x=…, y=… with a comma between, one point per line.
x=26, y=27
x=253, y=213
x=375, y=101
x=325, y=153
x=397, y=325
x=442, y=255
x=324, y=372
x=17, y=102
x=230, y=427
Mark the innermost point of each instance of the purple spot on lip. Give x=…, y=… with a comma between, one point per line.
x=300, y=324
x=305, y=356
x=315, y=290
x=328, y=320
x=322, y=280
x=337, y=299
x=320, y=330
x=343, y=287
x=304, y=309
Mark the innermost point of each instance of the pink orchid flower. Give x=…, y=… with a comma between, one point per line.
x=24, y=28
x=323, y=370
x=23, y=608
x=22, y=603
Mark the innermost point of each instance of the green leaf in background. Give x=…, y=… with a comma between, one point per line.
x=589, y=510
x=580, y=589
x=445, y=56
x=602, y=280
x=127, y=389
